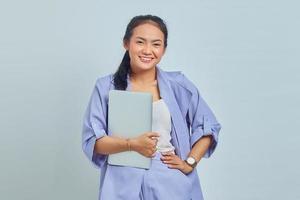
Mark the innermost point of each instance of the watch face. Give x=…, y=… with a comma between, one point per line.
x=191, y=160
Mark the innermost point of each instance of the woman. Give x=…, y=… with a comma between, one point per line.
x=184, y=128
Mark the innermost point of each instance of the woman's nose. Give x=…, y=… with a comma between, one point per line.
x=147, y=49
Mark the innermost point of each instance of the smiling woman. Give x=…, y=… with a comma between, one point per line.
x=184, y=129
x=145, y=47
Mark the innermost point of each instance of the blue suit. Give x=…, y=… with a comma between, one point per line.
x=191, y=119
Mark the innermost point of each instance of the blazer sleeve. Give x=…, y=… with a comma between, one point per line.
x=202, y=120
x=94, y=124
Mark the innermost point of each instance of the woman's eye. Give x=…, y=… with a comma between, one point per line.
x=139, y=42
x=157, y=45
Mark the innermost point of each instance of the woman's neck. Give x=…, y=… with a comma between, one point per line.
x=144, y=77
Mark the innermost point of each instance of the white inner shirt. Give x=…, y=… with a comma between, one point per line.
x=161, y=123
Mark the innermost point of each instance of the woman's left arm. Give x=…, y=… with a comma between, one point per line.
x=204, y=130
x=198, y=151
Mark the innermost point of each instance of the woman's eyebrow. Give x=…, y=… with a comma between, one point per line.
x=155, y=40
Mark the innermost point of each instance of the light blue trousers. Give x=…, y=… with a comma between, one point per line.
x=157, y=183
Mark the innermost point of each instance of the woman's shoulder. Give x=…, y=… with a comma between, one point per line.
x=180, y=79
x=104, y=80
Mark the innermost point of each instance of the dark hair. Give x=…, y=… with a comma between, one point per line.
x=120, y=76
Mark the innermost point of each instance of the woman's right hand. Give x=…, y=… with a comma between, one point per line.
x=145, y=144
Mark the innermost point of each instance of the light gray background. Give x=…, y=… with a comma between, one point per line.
x=242, y=55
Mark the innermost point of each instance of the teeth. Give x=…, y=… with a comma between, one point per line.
x=146, y=59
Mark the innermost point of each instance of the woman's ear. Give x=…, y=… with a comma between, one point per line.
x=125, y=44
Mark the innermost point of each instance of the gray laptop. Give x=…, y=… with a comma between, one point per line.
x=129, y=115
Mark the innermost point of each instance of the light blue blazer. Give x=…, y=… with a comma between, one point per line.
x=191, y=119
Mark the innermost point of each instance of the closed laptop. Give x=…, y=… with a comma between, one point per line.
x=129, y=115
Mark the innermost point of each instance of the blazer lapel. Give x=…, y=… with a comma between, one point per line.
x=181, y=134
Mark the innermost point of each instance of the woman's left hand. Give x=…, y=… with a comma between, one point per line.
x=174, y=162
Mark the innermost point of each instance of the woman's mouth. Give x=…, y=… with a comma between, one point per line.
x=145, y=59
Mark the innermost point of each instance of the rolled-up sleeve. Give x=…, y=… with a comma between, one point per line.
x=94, y=125
x=203, y=122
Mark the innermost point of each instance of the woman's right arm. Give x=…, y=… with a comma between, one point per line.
x=96, y=144
x=144, y=144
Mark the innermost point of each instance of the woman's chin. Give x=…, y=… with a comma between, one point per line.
x=143, y=67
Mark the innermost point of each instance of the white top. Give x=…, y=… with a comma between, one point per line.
x=161, y=123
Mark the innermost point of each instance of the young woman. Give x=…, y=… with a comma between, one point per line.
x=184, y=128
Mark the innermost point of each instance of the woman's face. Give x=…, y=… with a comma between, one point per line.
x=145, y=47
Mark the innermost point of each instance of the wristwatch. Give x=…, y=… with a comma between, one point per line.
x=191, y=161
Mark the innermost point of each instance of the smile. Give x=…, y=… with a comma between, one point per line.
x=145, y=59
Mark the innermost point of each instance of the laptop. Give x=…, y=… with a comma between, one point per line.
x=129, y=115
